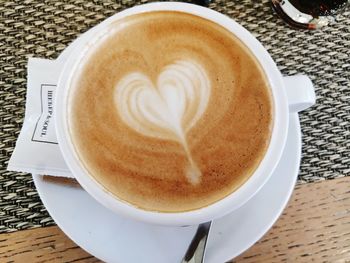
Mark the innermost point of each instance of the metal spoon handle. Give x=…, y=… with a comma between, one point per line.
x=196, y=250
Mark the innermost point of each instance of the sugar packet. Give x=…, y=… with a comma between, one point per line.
x=37, y=150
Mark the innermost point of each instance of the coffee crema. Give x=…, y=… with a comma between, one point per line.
x=170, y=112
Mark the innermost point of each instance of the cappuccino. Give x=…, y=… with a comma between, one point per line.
x=170, y=112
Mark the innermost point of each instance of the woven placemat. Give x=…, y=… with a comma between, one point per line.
x=44, y=28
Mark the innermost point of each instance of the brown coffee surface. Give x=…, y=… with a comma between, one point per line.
x=213, y=126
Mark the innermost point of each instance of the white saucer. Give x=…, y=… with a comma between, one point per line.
x=112, y=238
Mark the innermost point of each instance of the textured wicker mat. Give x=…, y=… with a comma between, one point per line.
x=44, y=28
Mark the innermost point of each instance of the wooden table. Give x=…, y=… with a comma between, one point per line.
x=315, y=227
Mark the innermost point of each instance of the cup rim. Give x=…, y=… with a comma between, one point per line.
x=218, y=209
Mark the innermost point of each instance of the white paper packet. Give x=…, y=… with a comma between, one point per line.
x=37, y=150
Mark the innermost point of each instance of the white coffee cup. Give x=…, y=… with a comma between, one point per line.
x=290, y=94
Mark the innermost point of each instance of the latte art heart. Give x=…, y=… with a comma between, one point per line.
x=168, y=109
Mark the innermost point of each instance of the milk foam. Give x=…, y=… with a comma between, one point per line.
x=169, y=109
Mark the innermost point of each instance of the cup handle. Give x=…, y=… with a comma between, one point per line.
x=300, y=92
